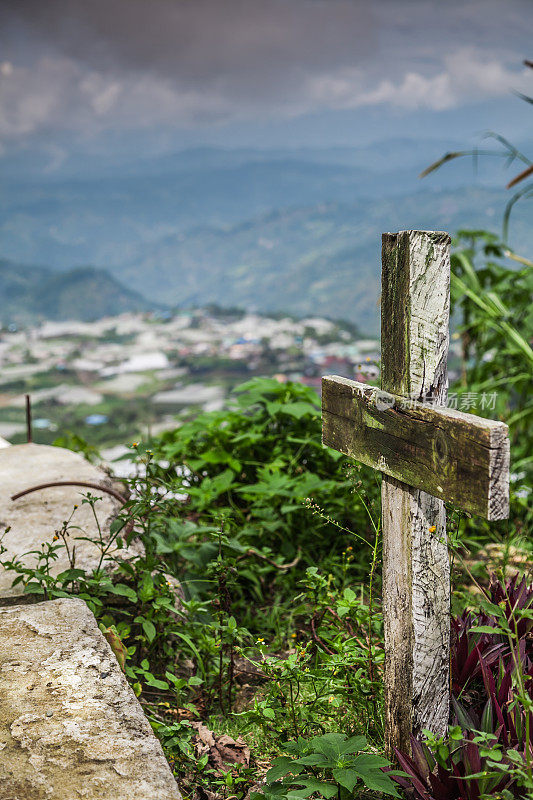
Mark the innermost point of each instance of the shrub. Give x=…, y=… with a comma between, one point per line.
x=251, y=469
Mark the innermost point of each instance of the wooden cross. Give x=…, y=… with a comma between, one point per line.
x=428, y=454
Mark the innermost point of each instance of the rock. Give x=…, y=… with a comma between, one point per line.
x=71, y=728
x=33, y=519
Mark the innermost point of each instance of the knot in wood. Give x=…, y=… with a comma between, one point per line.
x=440, y=450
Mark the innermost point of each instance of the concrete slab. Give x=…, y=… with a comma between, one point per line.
x=70, y=726
x=34, y=518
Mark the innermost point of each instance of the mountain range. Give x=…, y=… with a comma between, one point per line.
x=294, y=230
x=30, y=294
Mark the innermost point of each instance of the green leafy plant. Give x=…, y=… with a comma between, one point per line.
x=253, y=468
x=493, y=330
x=331, y=765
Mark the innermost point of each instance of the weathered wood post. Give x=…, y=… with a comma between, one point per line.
x=427, y=453
x=415, y=310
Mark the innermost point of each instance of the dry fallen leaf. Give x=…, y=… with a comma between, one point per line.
x=223, y=751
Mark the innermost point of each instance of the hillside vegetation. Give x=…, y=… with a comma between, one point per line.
x=290, y=230
x=29, y=293
x=322, y=259
x=251, y=629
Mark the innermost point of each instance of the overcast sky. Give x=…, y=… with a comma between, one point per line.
x=326, y=72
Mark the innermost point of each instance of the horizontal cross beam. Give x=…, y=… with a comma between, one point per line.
x=460, y=458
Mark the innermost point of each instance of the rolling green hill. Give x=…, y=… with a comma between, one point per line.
x=290, y=231
x=29, y=293
x=324, y=259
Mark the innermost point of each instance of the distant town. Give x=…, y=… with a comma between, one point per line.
x=135, y=375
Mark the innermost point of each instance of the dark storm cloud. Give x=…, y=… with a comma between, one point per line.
x=241, y=42
x=88, y=64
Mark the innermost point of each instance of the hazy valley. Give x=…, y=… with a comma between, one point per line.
x=295, y=231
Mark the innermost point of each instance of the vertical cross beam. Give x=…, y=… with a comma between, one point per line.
x=416, y=574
